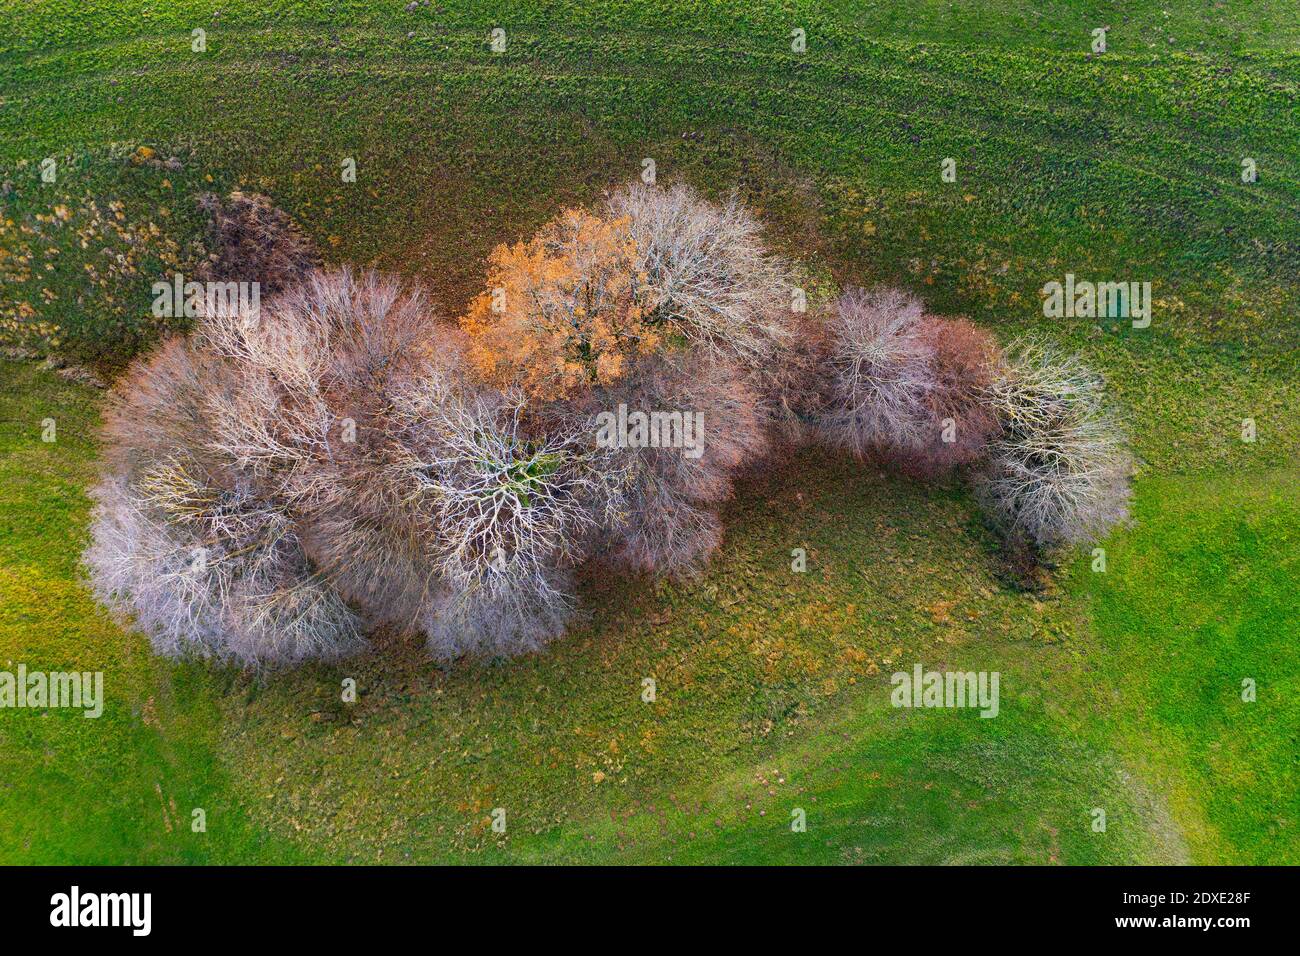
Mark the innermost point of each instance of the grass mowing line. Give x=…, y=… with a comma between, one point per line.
x=882, y=786
x=1161, y=327
x=1161, y=187
x=990, y=67
x=1268, y=24
x=658, y=56
x=1012, y=146
x=1158, y=138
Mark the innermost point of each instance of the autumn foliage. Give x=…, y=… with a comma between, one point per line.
x=564, y=310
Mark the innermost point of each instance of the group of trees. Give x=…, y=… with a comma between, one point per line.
x=278, y=483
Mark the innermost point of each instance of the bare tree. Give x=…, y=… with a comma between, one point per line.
x=712, y=277
x=212, y=573
x=879, y=373
x=964, y=361
x=512, y=505
x=1058, y=470
x=664, y=519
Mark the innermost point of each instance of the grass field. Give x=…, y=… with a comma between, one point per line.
x=1120, y=691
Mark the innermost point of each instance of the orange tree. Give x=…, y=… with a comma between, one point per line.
x=564, y=310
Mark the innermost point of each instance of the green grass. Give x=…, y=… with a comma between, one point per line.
x=79, y=256
x=74, y=790
x=1120, y=691
x=1197, y=599
x=763, y=675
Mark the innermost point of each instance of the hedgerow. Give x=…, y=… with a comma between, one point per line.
x=280, y=482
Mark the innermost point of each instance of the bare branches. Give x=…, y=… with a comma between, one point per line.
x=964, y=361
x=666, y=521
x=213, y=573
x=1058, y=471
x=879, y=372
x=510, y=508
x=713, y=279
x=285, y=478
x=230, y=456
x=253, y=241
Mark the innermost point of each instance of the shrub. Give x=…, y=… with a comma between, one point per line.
x=662, y=303
x=160, y=406
x=564, y=309
x=712, y=280
x=309, y=373
x=879, y=376
x=251, y=240
x=213, y=572
x=280, y=480
x=663, y=519
x=964, y=362
x=285, y=411
x=512, y=505
x=1058, y=469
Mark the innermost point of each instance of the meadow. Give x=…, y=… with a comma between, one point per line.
x=1121, y=690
